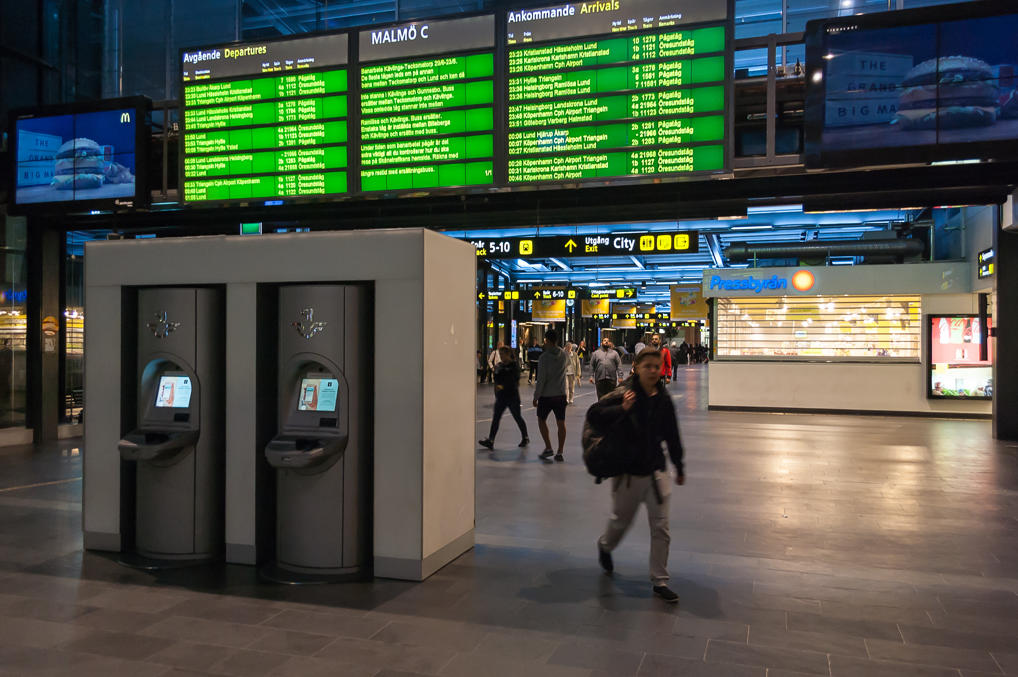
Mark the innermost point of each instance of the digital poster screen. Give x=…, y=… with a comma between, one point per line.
x=616, y=89
x=427, y=105
x=75, y=156
x=935, y=87
x=266, y=120
x=956, y=370
x=173, y=392
x=318, y=394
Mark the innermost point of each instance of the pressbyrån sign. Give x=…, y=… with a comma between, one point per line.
x=802, y=281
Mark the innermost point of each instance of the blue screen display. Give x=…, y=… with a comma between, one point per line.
x=937, y=83
x=85, y=156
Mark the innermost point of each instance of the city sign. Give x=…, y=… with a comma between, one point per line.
x=607, y=244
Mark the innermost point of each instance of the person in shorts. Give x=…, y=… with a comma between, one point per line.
x=550, y=394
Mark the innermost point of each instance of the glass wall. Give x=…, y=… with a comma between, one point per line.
x=73, y=349
x=13, y=302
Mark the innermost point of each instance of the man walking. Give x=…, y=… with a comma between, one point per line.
x=533, y=356
x=605, y=365
x=643, y=416
x=550, y=394
x=666, y=358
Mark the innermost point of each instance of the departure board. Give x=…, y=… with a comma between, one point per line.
x=266, y=120
x=615, y=89
x=427, y=105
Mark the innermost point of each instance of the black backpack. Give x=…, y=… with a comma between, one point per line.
x=604, y=451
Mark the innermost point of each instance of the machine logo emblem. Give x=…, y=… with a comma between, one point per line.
x=306, y=326
x=162, y=327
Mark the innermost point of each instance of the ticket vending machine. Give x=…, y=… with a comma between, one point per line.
x=322, y=452
x=177, y=445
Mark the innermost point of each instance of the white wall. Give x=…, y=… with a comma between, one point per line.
x=848, y=386
x=448, y=340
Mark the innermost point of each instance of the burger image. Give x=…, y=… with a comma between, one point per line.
x=79, y=165
x=952, y=92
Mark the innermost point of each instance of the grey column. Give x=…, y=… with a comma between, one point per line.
x=45, y=261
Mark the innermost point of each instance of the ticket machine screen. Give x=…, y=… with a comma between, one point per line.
x=318, y=394
x=174, y=391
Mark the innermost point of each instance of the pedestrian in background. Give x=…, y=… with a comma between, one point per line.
x=482, y=368
x=550, y=395
x=533, y=357
x=573, y=369
x=494, y=358
x=642, y=414
x=605, y=365
x=507, y=396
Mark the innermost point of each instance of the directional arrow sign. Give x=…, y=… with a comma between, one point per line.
x=606, y=244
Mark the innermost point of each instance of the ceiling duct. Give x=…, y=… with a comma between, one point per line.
x=741, y=251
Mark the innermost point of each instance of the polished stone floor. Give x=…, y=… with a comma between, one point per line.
x=801, y=545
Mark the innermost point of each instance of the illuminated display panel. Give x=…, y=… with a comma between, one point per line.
x=427, y=105
x=266, y=120
x=617, y=89
x=832, y=328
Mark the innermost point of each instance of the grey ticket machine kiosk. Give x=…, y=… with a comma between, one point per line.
x=321, y=452
x=177, y=445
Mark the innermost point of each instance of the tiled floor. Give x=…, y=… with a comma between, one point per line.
x=801, y=545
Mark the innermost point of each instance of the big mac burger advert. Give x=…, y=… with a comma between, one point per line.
x=951, y=82
x=85, y=156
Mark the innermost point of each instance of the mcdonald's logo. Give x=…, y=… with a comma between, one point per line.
x=125, y=118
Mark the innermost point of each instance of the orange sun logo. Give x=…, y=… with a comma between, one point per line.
x=803, y=280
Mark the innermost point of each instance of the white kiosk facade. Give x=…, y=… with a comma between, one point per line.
x=423, y=378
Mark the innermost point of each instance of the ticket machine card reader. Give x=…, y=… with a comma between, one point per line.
x=169, y=423
x=313, y=433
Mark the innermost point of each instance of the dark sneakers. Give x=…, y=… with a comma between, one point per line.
x=604, y=558
x=666, y=594
x=546, y=455
x=487, y=444
x=525, y=441
x=559, y=458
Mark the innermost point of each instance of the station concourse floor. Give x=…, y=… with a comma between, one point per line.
x=801, y=545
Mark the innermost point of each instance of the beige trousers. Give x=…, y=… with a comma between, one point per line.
x=628, y=492
x=571, y=381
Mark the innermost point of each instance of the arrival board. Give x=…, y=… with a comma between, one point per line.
x=618, y=88
x=266, y=120
x=427, y=105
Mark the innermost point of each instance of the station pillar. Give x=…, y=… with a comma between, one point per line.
x=1005, y=320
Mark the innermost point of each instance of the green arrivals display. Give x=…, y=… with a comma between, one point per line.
x=286, y=136
x=617, y=50
x=427, y=123
x=617, y=164
x=605, y=107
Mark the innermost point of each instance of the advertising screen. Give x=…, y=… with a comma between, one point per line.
x=955, y=368
x=427, y=105
x=75, y=156
x=936, y=87
x=318, y=394
x=266, y=120
x=174, y=391
x=631, y=88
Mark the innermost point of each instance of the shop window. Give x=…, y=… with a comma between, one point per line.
x=13, y=322
x=842, y=328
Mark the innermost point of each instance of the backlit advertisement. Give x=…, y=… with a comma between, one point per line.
x=956, y=370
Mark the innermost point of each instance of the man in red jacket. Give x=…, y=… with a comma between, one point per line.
x=666, y=358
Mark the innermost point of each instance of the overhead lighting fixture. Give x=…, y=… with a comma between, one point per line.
x=767, y=227
x=775, y=209
x=942, y=163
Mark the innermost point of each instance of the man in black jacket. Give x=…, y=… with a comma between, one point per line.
x=641, y=411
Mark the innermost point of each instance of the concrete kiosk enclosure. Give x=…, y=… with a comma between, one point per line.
x=423, y=390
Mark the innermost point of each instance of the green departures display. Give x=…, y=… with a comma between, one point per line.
x=648, y=104
x=427, y=123
x=266, y=137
